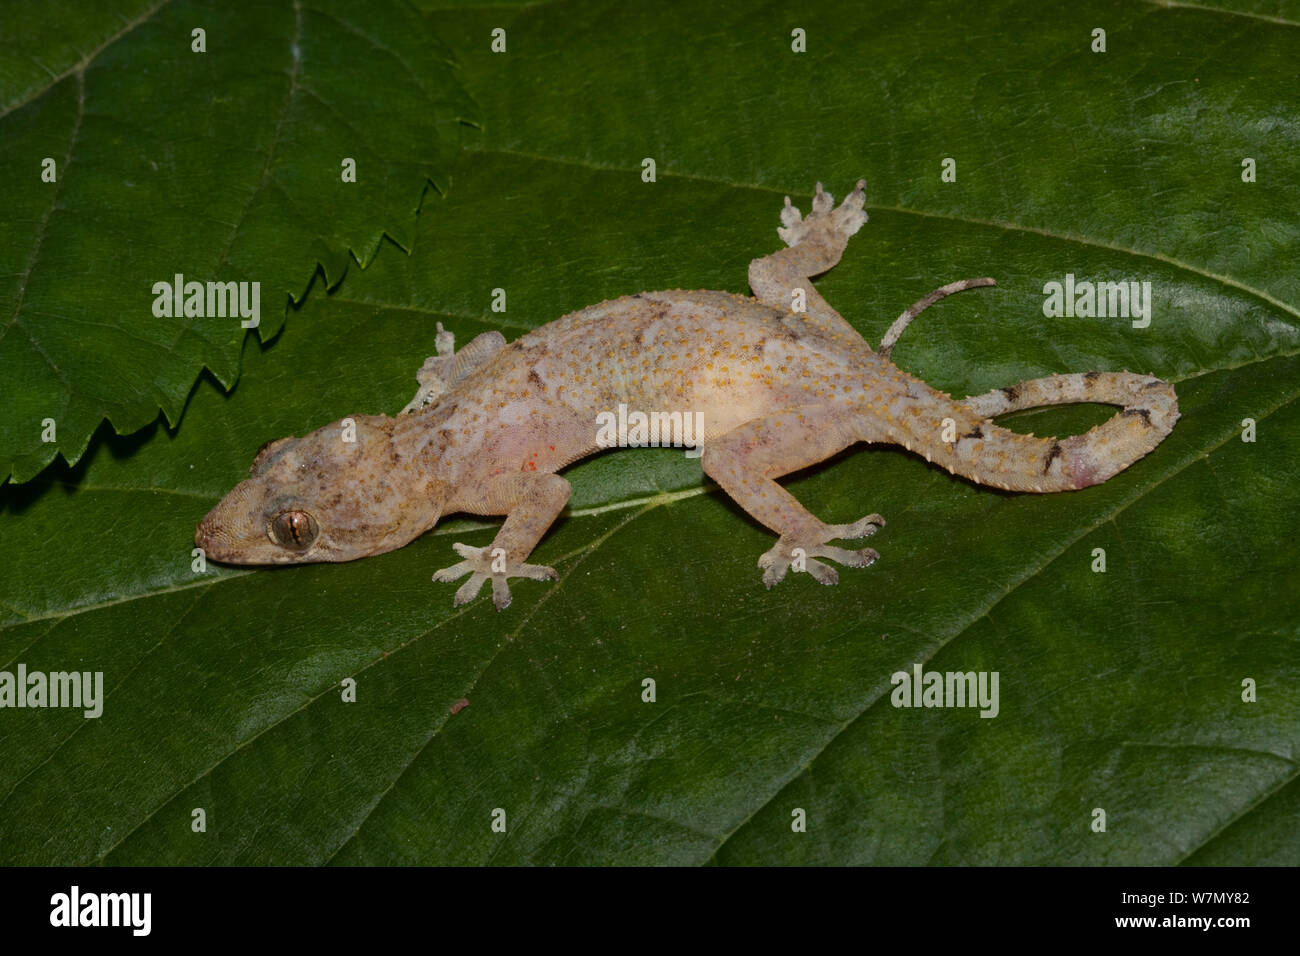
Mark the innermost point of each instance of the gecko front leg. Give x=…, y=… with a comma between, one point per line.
x=531, y=502
x=815, y=243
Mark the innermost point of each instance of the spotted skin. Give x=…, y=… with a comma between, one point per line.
x=777, y=390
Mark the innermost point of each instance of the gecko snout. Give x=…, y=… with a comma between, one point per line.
x=207, y=534
x=220, y=531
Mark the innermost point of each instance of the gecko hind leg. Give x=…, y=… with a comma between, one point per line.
x=815, y=243
x=746, y=462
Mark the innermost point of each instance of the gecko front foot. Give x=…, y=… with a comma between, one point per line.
x=826, y=222
x=483, y=563
x=777, y=561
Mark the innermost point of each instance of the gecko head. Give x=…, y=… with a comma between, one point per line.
x=345, y=491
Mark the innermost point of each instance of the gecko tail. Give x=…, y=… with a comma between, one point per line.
x=901, y=323
x=997, y=456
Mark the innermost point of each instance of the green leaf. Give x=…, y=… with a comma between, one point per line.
x=220, y=166
x=1120, y=690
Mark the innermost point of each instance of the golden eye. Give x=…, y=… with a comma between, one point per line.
x=295, y=530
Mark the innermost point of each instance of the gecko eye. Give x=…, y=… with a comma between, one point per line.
x=295, y=530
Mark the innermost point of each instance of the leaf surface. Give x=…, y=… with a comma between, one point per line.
x=1120, y=691
x=218, y=166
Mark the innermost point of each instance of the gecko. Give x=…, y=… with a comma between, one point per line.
x=779, y=380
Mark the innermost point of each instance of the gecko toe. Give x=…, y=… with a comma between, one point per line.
x=537, y=572
x=850, y=559
x=469, y=590
x=861, y=528
x=850, y=217
x=501, y=596
x=774, y=563
x=774, y=575
x=822, y=201
x=453, y=573
x=821, y=573
x=790, y=217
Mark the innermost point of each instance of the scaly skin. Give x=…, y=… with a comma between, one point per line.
x=777, y=390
